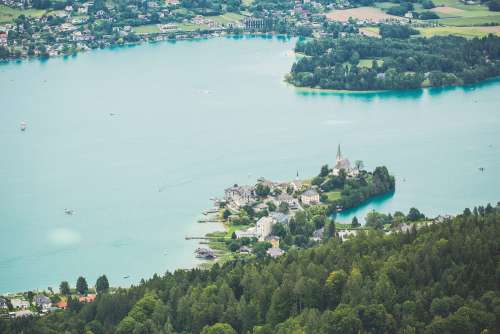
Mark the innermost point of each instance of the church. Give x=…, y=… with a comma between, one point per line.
x=342, y=163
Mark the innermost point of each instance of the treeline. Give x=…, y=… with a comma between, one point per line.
x=333, y=63
x=443, y=278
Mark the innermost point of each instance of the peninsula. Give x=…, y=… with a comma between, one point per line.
x=271, y=217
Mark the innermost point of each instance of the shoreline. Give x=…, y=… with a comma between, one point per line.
x=365, y=92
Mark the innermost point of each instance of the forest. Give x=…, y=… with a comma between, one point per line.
x=367, y=63
x=441, y=278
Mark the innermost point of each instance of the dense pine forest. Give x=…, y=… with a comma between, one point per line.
x=442, y=278
x=367, y=63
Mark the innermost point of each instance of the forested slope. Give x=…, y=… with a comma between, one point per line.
x=443, y=278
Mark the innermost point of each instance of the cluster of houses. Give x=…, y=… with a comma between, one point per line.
x=41, y=304
x=237, y=197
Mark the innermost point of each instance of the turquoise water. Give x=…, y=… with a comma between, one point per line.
x=190, y=119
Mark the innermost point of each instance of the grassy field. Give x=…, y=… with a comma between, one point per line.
x=227, y=18
x=368, y=63
x=146, y=29
x=456, y=13
x=370, y=31
x=332, y=195
x=361, y=13
x=191, y=27
x=8, y=15
x=468, y=32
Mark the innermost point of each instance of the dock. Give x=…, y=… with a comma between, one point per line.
x=202, y=238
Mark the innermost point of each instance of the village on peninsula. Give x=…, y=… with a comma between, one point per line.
x=268, y=218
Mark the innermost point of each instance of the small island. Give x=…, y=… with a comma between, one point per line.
x=271, y=217
x=363, y=63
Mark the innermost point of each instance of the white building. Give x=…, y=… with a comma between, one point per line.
x=239, y=196
x=264, y=227
x=20, y=304
x=309, y=197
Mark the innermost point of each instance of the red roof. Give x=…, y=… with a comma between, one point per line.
x=87, y=299
x=62, y=304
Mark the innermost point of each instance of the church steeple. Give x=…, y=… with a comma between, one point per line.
x=339, y=154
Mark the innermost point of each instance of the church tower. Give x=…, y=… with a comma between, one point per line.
x=339, y=154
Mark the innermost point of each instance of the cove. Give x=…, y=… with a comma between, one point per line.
x=137, y=140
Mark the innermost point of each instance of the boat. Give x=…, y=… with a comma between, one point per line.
x=126, y=276
x=69, y=211
x=23, y=126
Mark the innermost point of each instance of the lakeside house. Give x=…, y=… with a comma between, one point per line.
x=3, y=303
x=205, y=253
x=62, y=304
x=43, y=302
x=250, y=232
x=310, y=197
x=260, y=231
x=87, y=299
x=19, y=304
x=239, y=196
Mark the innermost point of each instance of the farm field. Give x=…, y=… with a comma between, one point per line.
x=361, y=13
x=459, y=31
x=227, y=18
x=146, y=29
x=456, y=13
x=8, y=15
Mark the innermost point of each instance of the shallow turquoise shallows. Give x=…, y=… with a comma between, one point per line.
x=137, y=140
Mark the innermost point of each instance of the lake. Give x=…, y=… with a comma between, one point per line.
x=137, y=140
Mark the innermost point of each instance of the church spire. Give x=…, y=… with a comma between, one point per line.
x=339, y=154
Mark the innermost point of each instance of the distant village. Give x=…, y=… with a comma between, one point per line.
x=29, y=304
x=73, y=27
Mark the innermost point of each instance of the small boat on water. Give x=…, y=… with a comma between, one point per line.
x=24, y=125
x=127, y=276
x=69, y=211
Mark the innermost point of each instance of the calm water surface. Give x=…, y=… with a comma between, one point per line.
x=190, y=119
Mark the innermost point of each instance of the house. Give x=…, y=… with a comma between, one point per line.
x=248, y=233
x=239, y=196
x=245, y=250
x=204, y=253
x=42, y=301
x=318, y=234
x=87, y=299
x=275, y=252
x=288, y=199
x=309, y=197
x=344, y=234
x=274, y=240
x=260, y=207
x=3, y=303
x=264, y=226
x=62, y=304
x=19, y=304
x=280, y=217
